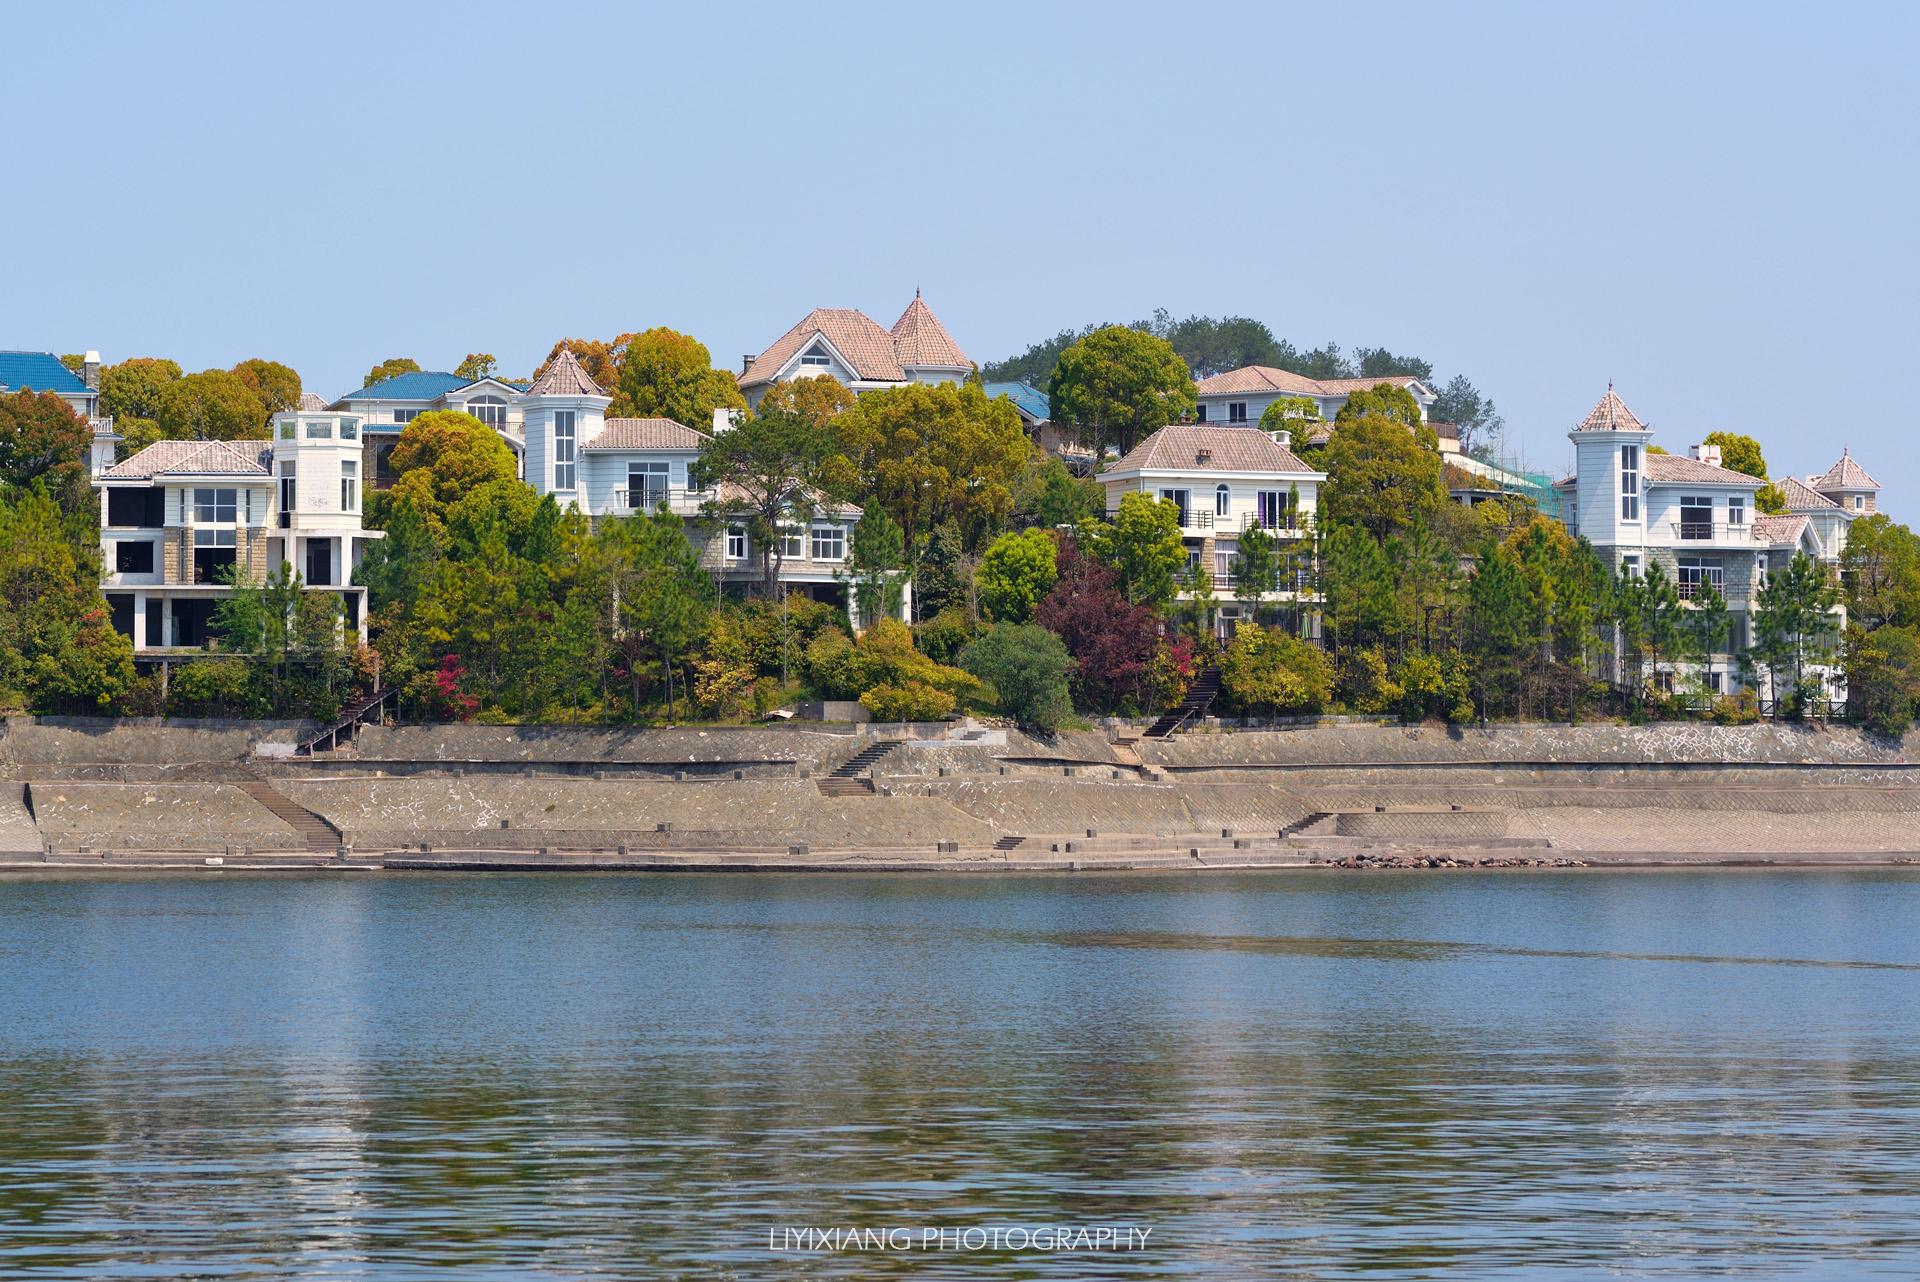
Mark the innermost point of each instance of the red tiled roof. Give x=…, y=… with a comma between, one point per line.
x=854, y=334
x=1691, y=471
x=1231, y=449
x=193, y=458
x=1846, y=475
x=645, y=434
x=565, y=378
x=1257, y=378
x=1265, y=378
x=1784, y=528
x=1612, y=415
x=1802, y=497
x=919, y=339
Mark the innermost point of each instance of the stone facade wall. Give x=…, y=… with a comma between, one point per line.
x=176, y=558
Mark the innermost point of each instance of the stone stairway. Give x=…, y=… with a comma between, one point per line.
x=319, y=834
x=853, y=778
x=1200, y=697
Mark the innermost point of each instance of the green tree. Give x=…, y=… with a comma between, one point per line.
x=875, y=555
x=130, y=393
x=1793, y=617
x=1298, y=417
x=1379, y=478
x=1883, y=676
x=42, y=439
x=1028, y=667
x=1017, y=571
x=1706, y=625
x=59, y=652
x=213, y=405
x=933, y=454
x=1256, y=568
x=1382, y=400
x=942, y=580
x=277, y=386
x=1461, y=404
x=1118, y=386
x=663, y=593
x=1739, y=454
x=476, y=366
x=1264, y=670
x=393, y=367
x=1143, y=545
x=665, y=374
x=1880, y=567
x=770, y=464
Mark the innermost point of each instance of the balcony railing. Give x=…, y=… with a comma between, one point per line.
x=1711, y=532
x=1289, y=522
x=648, y=499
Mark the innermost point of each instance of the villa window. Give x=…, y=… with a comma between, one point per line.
x=563, y=447
x=1629, y=482
x=491, y=410
x=132, y=557
x=829, y=543
x=405, y=416
x=287, y=430
x=1276, y=509
x=736, y=544
x=1859, y=502
x=1696, y=518
x=816, y=357
x=214, y=553
x=288, y=494
x=1236, y=411
x=1629, y=567
x=1737, y=510
x=320, y=429
x=1179, y=499
x=349, y=430
x=1222, y=500
x=1200, y=413
x=646, y=485
x=215, y=507
x=349, y=485
x=1760, y=571
x=1694, y=571
x=792, y=544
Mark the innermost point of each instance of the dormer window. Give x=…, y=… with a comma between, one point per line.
x=491, y=410
x=816, y=356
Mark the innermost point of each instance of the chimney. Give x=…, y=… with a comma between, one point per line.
x=1709, y=454
x=724, y=419
x=746, y=362
x=90, y=370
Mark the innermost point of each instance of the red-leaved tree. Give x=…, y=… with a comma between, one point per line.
x=1112, y=642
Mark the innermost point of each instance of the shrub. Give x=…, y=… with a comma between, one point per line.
x=914, y=701
x=942, y=637
x=1028, y=668
x=831, y=665
x=1112, y=641
x=1435, y=685
x=220, y=688
x=1018, y=570
x=1268, y=670
x=1365, y=683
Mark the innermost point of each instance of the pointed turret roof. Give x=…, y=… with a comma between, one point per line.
x=920, y=339
x=1846, y=475
x=565, y=378
x=1611, y=415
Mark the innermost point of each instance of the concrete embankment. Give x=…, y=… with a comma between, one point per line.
x=151, y=793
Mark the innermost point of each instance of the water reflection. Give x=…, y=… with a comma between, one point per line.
x=638, y=1078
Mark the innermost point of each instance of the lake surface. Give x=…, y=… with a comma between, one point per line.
x=1313, y=1075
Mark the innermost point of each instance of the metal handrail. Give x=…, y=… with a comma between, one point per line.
x=1711, y=531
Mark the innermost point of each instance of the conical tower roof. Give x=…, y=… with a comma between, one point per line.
x=1611, y=415
x=565, y=378
x=1846, y=475
x=920, y=339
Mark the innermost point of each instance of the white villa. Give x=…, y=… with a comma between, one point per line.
x=177, y=515
x=1240, y=396
x=622, y=466
x=849, y=345
x=1697, y=518
x=385, y=408
x=1224, y=481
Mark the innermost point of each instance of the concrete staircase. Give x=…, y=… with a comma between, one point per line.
x=1200, y=697
x=319, y=834
x=852, y=779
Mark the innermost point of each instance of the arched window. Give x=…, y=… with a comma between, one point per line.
x=1222, y=500
x=491, y=410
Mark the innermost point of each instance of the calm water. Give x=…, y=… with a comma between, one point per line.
x=1661, y=1074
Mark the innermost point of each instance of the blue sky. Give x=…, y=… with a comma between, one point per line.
x=1714, y=206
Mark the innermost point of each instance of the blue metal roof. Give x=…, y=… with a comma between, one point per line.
x=1031, y=399
x=422, y=385
x=42, y=371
